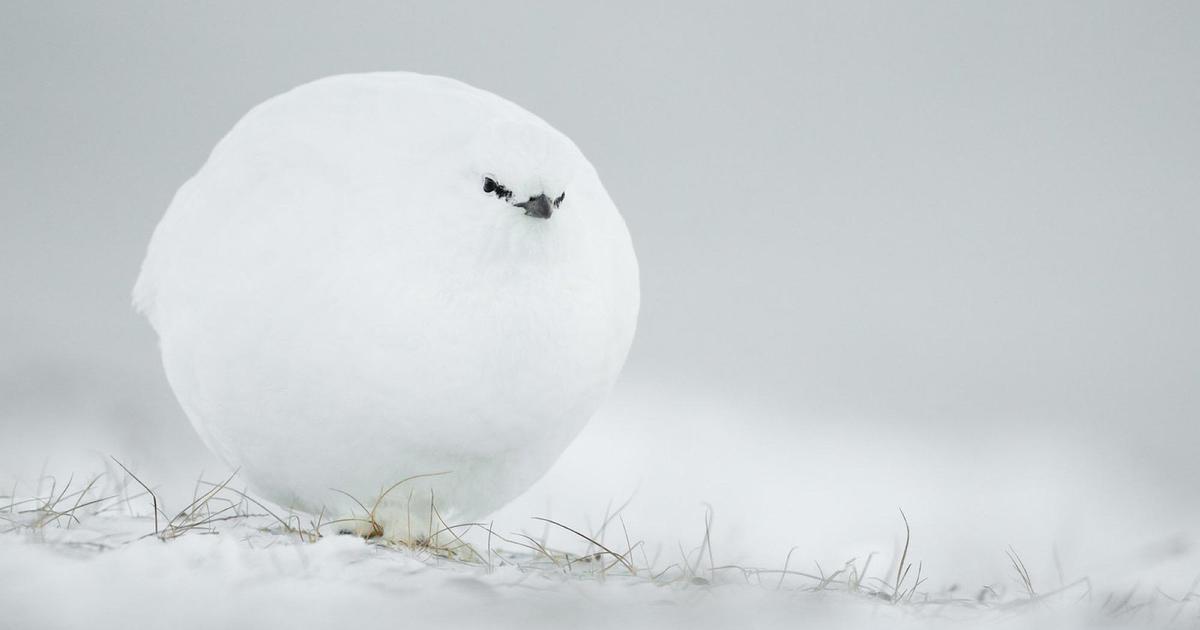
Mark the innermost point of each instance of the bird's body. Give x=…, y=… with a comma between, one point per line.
x=342, y=303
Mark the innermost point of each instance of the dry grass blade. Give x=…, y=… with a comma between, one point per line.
x=489, y=546
x=287, y=526
x=707, y=543
x=375, y=531
x=450, y=529
x=1022, y=572
x=79, y=506
x=614, y=554
x=365, y=509
x=203, y=500
x=783, y=574
x=901, y=569
x=153, y=497
x=400, y=483
x=212, y=510
x=537, y=547
x=376, y=528
x=609, y=516
x=83, y=494
x=757, y=571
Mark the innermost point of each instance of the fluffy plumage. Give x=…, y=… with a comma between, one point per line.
x=340, y=305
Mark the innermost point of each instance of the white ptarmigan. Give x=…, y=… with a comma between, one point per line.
x=383, y=276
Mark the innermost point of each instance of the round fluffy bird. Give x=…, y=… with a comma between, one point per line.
x=392, y=287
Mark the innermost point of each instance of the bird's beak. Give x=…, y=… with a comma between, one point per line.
x=540, y=207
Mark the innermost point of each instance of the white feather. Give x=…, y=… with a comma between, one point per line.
x=341, y=306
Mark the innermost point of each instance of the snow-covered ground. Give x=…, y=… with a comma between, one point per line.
x=243, y=578
x=938, y=257
x=704, y=512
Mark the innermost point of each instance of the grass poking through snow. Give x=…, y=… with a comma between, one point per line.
x=117, y=508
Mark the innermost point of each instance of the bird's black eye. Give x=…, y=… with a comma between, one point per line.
x=558, y=201
x=494, y=187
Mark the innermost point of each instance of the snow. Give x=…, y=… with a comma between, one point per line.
x=245, y=578
x=826, y=495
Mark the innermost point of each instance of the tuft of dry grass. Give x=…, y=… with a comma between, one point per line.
x=218, y=508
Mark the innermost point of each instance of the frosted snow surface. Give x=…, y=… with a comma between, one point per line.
x=233, y=566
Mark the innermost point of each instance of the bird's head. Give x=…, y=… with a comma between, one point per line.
x=524, y=165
